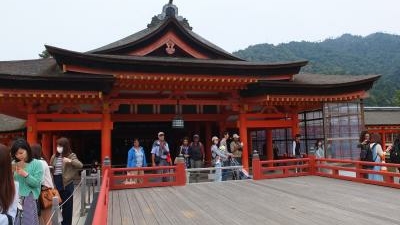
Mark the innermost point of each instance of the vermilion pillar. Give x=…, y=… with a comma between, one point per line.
x=270, y=154
x=207, y=145
x=106, y=134
x=295, y=123
x=31, y=129
x=47, y=145
x=243, y=135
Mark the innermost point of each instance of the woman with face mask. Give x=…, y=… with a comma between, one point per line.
x=65, y=165
x=29, y=174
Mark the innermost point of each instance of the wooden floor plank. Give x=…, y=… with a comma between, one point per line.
x=301, y=200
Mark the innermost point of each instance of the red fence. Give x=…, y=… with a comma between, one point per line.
x=333, y=168
x=101, y=212
x=115, y=179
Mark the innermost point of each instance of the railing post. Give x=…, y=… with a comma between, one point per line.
x=98, y=178
x=358, y=166
x=312, y=164
x=54, y=210
x=180, y=171
x=106, y=166
x=83, y=193
x=256, y=166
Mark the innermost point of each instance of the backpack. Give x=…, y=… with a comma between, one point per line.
x=395, y=153
x=366, y=154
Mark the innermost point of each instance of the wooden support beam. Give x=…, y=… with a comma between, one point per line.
x=61, y=126
x=269, y=123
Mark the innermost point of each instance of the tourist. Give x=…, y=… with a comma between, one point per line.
x=29, y=175
x=394, y=151
x=196, y=154
x=221, y=157
x=363, y=144
x=66, y=165
x=184, y=151
x=136, y=159
x=160, y=154
x=236, y=148
x=8, y=188
x=296, y=150
x=275, y=150
x=319, y=149
x=47, y=181
x=378, y=156
x=224, y=141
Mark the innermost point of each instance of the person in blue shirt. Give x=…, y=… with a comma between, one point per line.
x=136, y=158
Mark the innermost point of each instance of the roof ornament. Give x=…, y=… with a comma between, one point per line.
x=169, y=11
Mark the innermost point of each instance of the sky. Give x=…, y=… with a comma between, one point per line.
x=82, y=25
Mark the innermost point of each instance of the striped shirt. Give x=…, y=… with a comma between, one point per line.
x=58, y=166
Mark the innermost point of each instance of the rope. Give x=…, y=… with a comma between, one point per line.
x=59, y=207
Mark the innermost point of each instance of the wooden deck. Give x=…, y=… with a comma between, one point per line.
x=302, y=200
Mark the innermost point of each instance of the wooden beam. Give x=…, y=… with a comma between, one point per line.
x=269, y=123
x=68, y=116
x=162, y=117
x=61, y=126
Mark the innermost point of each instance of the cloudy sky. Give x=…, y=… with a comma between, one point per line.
x=82, y=25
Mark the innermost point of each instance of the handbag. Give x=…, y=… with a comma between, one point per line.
x=46, y=197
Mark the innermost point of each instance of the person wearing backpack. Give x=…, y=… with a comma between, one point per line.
x=8, y=188
x=378, y=156
x=196, y=154
x=365, y=150
x=395, y=151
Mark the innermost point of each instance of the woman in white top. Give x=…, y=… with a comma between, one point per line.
x=8, y=188
x=47, y=181
x=377, y=155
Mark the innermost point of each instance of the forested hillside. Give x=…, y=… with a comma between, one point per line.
x=378, y=53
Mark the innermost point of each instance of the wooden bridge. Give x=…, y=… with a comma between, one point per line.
x=297, y=199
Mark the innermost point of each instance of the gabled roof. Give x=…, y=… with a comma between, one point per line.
x=154, y=31
x=169, y=64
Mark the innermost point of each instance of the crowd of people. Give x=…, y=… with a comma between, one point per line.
x=25, y=175
x=224, y=153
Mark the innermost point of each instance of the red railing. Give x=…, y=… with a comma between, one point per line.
x=356, y=171
x=171, y=176
x=281, y=168
x=333, y=168
x=113, y=179
x=101, y=213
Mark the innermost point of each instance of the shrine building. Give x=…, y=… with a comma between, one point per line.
x=168, y=78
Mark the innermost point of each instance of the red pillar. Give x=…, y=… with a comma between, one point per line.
x=106, y=134
x=47, y=145
x=295, y=123
x=383, y=140
x=31, y=131
x=207, y=145
x=243, y=135
x=270, y=154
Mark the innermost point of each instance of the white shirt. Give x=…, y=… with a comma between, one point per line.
x=47, y=179
x=12, y=211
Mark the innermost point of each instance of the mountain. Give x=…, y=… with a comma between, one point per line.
x=377, y=53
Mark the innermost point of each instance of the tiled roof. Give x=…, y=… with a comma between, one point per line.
x=8, y=123
x=34, y=67
x=329, y=79
x=382, y=116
